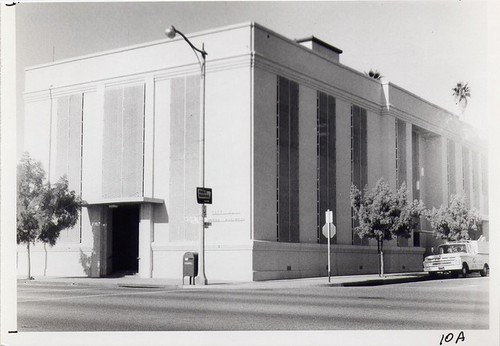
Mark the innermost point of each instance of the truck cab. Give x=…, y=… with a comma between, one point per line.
x=460, y=257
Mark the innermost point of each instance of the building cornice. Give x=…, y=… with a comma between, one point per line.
x=216, y=65
x=269, y=65
x=461, y=138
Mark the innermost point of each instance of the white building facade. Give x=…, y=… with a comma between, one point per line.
x=288, y=130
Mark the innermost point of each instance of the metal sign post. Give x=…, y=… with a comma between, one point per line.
x=329, y=230
x=203, y=196
x=329, y=259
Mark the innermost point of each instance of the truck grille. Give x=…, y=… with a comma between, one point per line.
x=441, y=263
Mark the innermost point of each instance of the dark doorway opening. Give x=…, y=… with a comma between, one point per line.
x=125, y=239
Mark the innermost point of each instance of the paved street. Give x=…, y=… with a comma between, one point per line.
x=447, y=304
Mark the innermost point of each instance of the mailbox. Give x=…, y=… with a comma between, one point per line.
x=190, y=266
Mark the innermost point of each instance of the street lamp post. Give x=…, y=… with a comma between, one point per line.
x=171, y=32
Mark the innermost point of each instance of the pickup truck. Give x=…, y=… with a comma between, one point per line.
x=459, y=257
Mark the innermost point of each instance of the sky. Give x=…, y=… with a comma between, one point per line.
x=425, y=47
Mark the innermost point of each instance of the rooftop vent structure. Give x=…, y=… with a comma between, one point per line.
x=328, y=51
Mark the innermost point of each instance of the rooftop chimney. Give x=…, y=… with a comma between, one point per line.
x=321, y=47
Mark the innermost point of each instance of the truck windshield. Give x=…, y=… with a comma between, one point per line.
x=452, y=248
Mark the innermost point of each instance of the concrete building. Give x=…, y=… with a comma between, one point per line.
x=288, y=130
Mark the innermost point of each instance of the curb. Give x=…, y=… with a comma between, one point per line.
x=158, y=286
x=95, y=284
x=387, y=281
x=270, y=285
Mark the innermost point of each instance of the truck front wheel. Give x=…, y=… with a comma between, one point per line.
x=465, y=270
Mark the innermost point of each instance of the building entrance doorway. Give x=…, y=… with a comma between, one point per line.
x=125, y=239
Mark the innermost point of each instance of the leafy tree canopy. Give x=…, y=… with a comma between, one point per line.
x=43, y=209
x=384, y=214
x=454, y=221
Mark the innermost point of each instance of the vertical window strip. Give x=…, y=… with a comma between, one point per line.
x=289, y=149
x=122, y=92
x=359, y=158
x=448, y=177
x=363, y=147
x=278, y=159
x=398, y=173
x=484, y=178
x=81, y=164
x=484, y=183
x=451, y=167
x=143, y=138
x=287, y=161
x=397, y=149
x=294, y=163
x=318, y=165
x=466, y=175
x=68, y=138
x=415, y=178
x=352, y=171
x=332, y=159
x=326, y=169
x=475, y=179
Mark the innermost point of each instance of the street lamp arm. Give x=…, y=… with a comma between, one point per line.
x=201, y=51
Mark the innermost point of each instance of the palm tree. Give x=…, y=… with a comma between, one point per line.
x=461, y=92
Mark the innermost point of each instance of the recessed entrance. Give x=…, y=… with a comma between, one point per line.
x=125, y=239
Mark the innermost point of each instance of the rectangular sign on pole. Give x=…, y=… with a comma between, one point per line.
x=204, y=195
x=328, y=216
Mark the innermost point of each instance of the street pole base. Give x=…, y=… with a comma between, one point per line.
x=201, y=280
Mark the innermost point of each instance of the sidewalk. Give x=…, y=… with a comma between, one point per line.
x=133, y=281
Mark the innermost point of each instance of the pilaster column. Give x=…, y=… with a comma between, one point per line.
x=145, y=240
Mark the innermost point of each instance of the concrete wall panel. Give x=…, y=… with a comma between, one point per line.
x=92, y=145
x=222, y=263
x=282, y=261
x=55, y=261
x=228, y=155
x=37, y=121
x=161, y=164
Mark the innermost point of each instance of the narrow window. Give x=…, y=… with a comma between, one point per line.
x=466, y=175
x=415, y=152
x=475, y=179
x=326, y=152
x=400, y=152
x=484, y=181
x=288, y=161
x=359, y=158
x=401, y=164
x=452, y=180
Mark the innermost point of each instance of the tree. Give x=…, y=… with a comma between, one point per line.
x=454, y=221
x=461, y=92
x=384, y=215
x=43, y=209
